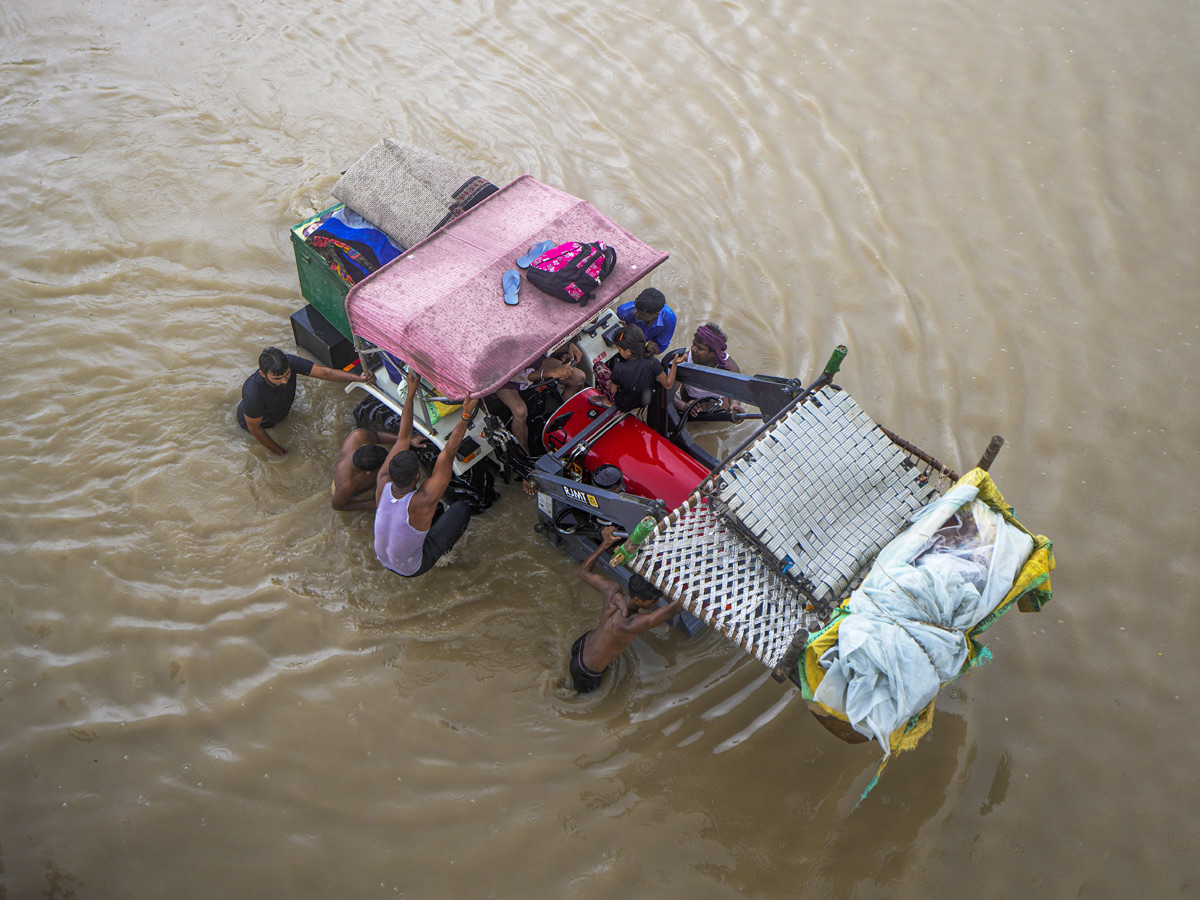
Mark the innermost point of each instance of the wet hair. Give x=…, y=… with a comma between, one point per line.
x=633, y=339
x=643, y=590
x=368, y=457
x=403, y=468
x=651, y=300
x=273, y=361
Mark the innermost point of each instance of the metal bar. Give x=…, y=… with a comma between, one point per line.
x=362, y=351
x=823, y=379
x=595, y=430
x=920, y=454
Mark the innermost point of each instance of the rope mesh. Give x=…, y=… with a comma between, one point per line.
x=791, y=525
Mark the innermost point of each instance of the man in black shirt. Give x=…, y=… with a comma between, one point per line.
x=267, y=395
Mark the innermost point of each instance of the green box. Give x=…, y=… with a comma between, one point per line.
x=319, y=284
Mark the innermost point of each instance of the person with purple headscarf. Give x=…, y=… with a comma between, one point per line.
x=709, y=348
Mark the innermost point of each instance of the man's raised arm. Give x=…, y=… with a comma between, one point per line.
x=443, y=469
x=403, y=436
x=593, y=579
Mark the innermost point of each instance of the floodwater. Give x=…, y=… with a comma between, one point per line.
x=208, y=688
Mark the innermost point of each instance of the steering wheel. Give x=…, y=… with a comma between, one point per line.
x=687, y=414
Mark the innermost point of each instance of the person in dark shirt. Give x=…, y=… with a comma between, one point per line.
x=268, y=394
x=635, y=370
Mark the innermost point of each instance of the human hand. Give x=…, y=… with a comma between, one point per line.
x=574, y=354
x=468, y=407
x=412, y=379
x=610, y=535
x=280, y=451
x=367, y=377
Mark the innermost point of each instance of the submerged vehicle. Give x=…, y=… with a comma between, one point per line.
x=792, y=547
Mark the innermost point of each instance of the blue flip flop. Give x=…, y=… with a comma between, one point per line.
x=512, y=285
x=534, y=252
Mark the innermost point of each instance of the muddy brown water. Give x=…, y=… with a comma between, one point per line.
x=209, y=688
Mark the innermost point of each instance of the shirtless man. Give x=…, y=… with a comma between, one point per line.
x=622, y=618
x=407, y=539
x=358, y=467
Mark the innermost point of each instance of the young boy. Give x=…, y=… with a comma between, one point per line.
x=650, y=313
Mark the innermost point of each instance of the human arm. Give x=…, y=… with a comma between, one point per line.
x=384, y=437
x=361, y=437
x=343, y=499
x=649, y=620
x=569, y=353
x=667, y=379
x=403, y=437
x=586, y=571
x=412, y=387
x=255, y=427
x=327, y=374
x=423, y=504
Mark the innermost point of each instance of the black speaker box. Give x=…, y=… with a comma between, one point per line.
x=327, y=345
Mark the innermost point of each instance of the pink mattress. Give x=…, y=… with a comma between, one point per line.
x=440, y=307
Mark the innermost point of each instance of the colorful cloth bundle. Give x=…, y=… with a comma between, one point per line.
x=352, y=246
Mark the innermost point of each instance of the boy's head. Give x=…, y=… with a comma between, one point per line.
x=648, y=305
x=643, y=593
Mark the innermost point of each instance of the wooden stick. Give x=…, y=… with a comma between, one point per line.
x=989, y=455
x=791, y=656
x=919, y=453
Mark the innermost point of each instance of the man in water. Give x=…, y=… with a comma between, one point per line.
x=358, y=467
x=408, y=540
x=268, y=394
x=650, y=313
x=708, y=349
x=622, y=618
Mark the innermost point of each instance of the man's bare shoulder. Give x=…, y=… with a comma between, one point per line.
x=357, y=438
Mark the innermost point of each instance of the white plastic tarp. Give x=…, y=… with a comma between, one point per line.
x=906, y=635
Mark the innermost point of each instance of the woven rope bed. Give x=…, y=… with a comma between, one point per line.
x=771, y=543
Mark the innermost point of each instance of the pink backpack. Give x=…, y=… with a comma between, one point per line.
x=572, y=271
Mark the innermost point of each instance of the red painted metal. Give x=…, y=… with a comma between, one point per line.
x=652, y=465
